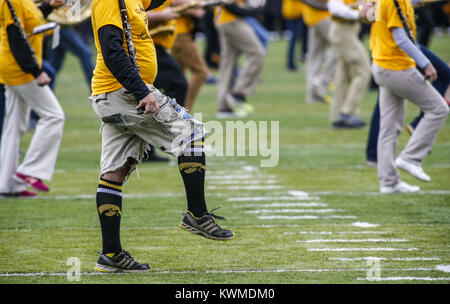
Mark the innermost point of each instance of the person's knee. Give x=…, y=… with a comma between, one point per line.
x=121, y=174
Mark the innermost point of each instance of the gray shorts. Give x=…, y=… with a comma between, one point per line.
x=126, y=132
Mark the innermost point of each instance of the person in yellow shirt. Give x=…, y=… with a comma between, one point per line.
x=170, y=80
x=320, y=57
x=187, y=54
x=396, y=64
x=27, y=89
x=237, y=37
x=135, y=113
x=292, y=13
x=353, y=65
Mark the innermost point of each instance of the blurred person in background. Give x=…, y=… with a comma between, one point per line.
x=26, y=85
x=320, y=57
x=237, y=37
x=187, y=54
x=292, y=13
x=353, y=65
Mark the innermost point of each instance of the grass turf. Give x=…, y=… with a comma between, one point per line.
x=38, y=236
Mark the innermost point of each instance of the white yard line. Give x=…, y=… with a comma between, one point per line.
x=280, y=205
x=259, y=211
x=354, y=241
x=304, y=217
x=242, y=182
x=92, y=196
x=310, y=232
x=254, y=187
x=405, y=279
x=364, y=225
x=37, y=274
x=435, y=192
x=362, y=232
x=270, y=198
x=362, y=249
x=385, y=259
x=240, y=176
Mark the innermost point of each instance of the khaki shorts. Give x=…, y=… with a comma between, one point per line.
x=126, y=132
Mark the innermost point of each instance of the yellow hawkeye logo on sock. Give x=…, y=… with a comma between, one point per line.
x=109, y=210
x=191, y=167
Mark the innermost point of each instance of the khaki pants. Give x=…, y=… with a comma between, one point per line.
x=320, y=61
x=353, y=69
x=235, y=38
x=40, y=159
x=186, y=53
x=126, y=132
x=395, y=88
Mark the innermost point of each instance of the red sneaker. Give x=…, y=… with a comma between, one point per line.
x=25, y=193
x=33, y=182
x=22, y=194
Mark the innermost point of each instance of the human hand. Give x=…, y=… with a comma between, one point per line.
x=150, y=105
x=430, y=73
x=43, y=79
x=57, y=3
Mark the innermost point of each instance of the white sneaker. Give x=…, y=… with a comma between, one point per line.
x=230, y=115
x=412, y=169
x=400, y=187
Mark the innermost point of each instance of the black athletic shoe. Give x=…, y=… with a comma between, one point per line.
x=122, y=262
x=205, y=226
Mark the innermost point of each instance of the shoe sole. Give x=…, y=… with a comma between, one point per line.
x=111, y=269
x=400, y=166
x=201, y=233
x=21, y=181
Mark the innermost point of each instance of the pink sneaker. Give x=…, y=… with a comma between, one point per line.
x=25, y=194
x=22, y=194
x=33, y=182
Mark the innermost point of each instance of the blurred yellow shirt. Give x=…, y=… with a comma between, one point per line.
x=222, y=15
x=313, y=16
x=11, y=73
x=185, y=25
x=385, y=52
x=106, y=12
x=291, y=9
x=166, y=39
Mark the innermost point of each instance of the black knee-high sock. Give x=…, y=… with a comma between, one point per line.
x=109, y=207
x=192, y=165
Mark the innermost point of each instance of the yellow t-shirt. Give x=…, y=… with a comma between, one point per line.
x=313, y=16
x=385, y=52
x=222, y=15
x=30, y=16
x=291, y=9
x=106, y=12
x=166, y=39
x=185, y=25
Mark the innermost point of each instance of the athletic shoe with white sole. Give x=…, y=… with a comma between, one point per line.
x=33, y=182
x=122, y=262
x=206, y=226
x=231, y=114
x=412, y=169
x=400, y=187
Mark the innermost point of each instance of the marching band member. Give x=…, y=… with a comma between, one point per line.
x=353, y=65
x=134, y=113
x=187, y=54
x=395, y=61
x=237, y=37
x=27, y=89
x=320, y=57
x=292, y=12
x=170, y=78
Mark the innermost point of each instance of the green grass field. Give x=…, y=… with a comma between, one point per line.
x=304, y=221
